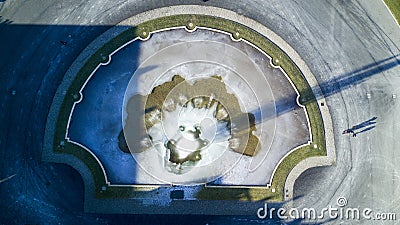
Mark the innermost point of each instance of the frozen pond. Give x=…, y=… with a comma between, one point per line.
x=141, y=65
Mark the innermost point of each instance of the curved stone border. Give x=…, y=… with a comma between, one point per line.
x=330, y=159
x=176, y=10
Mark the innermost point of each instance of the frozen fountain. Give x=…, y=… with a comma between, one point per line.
x=188, y=131
x=190, y=136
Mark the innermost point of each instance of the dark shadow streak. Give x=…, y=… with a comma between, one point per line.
x=365, y=123
x=4, y=22
x=328, y=88
x=358, y=76
x=366, y=129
